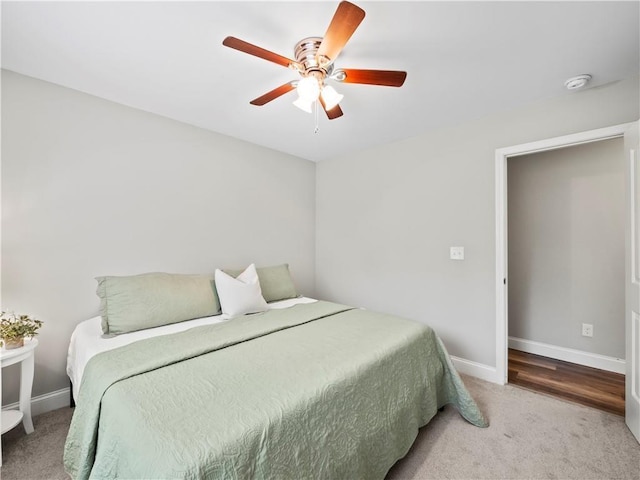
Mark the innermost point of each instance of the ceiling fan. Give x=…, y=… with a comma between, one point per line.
x=314, y=57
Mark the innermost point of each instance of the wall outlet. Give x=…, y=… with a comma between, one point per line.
x=587, y=330
x=456, y=253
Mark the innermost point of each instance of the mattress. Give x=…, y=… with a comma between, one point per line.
x=87, y=339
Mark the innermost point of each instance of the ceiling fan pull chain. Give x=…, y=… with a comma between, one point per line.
x=315, y=114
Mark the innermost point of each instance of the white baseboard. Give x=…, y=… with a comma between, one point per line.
x=60, y=398
x=45, y=403
x=588, y=359
x=478, y=370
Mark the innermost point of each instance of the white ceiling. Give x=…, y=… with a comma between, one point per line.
x=464, y=60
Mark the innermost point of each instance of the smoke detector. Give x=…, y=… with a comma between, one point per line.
x=578, y=82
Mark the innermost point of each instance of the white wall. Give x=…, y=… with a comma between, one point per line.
x=567, y=246
x=386, y=217
x=90, y=187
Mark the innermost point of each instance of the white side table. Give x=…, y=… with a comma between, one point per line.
x=24, y=356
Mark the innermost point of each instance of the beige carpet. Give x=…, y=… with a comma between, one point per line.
x=531, y=436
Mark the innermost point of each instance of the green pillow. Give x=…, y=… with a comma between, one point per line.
x=150, y=300
x=275, y=282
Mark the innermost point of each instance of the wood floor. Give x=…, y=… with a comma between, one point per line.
x=588, y=386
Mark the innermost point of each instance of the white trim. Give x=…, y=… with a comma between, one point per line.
x=565, y=141
x=502, y=154
x=501, y=267
x=0, y=211
x=478, y=370
x=45, y=403
x=0, y=238
x=632, y=215
x=594, y=360
x=635, y=340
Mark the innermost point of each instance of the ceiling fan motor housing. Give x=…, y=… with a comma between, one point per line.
x=306, y=54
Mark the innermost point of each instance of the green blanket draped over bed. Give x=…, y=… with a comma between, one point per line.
x=314, y=391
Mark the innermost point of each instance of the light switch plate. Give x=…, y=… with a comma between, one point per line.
x=456, y=253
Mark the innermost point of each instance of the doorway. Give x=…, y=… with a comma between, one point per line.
x=566, y=252
x=502, y=155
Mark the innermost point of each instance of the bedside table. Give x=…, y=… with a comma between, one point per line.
x=24, y=356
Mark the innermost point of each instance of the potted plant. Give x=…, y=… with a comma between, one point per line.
x=14, y=328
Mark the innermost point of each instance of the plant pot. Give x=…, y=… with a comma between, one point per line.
x=12, y=343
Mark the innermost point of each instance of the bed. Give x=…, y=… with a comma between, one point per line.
x=306, y=389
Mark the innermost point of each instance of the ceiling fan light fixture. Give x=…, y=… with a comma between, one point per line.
x=304, y=105
x=308, y=89
x=330, y=97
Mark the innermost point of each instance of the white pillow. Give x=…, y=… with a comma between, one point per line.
x=240, y=295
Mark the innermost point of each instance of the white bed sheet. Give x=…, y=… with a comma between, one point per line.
x=87, y=339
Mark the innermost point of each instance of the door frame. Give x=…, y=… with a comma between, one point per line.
x=502, y=285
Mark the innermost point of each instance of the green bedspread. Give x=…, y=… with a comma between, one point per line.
x=318, y=391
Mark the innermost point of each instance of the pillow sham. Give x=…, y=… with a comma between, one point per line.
x=241, y=295
x=275, y=282
x=137, y=302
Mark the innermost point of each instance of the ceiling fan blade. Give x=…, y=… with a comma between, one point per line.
x=344, y=22
x=259, y=52
x=332, y=114
x=273, y=94
x=388, y=78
